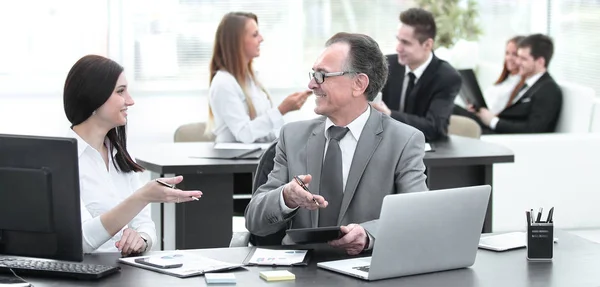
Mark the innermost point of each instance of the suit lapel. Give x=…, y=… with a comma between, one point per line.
x=396, y=80
x=531, y=91
x=367, y=144
x=422, y=82
x=315, y=149
x=535, y=87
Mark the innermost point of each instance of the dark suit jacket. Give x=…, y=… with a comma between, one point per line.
x=536, y=111
x=429, y=106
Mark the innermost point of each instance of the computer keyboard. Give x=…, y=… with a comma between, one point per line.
x=41, y=267
x=362, y=268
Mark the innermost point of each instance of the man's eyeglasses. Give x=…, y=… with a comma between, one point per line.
x=320, y=76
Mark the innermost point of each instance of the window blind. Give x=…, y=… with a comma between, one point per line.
x=169, y=43
x=573, y=25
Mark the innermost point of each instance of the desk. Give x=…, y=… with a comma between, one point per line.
x=576, y=263
x=455, y=162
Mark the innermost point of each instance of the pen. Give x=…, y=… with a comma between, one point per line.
x=171, y=186
x=550, y=214
x=539, y=216
x=248, y=153
x=531, y=215
x=528, y=218
x=299, y=181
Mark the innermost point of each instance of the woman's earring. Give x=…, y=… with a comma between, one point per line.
x=94, y=112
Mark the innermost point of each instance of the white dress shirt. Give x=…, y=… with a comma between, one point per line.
x=529, y=83
x=232, y=117
x=497, y=95
x=102, y=190
x=348, y=146
x=418, y=72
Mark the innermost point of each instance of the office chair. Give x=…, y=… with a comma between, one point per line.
x=464, y=126
x=241, y=239
x=192, y=132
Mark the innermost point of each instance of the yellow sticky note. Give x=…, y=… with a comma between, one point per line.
x=277, y=275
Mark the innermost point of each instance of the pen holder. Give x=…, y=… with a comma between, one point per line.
x=540, y=241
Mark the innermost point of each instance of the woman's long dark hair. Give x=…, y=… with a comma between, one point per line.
x=90, y=82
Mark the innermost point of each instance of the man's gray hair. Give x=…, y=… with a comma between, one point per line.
x=364, y=57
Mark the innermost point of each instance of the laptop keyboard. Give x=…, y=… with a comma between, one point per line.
x=362, y=268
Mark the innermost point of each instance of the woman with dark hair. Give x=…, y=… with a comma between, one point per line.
x=115, y=211
x=500, y=95
x=240, y=109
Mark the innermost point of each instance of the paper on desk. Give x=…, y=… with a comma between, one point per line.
x=277, y=257
x=193, y=264
x=241, y=145
x=427, y=147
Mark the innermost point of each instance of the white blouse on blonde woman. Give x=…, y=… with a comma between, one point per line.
x=101, y=189
x=232, y=121
x=497, y=95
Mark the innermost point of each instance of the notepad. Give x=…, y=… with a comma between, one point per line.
x=277, y=275
x=219, y=278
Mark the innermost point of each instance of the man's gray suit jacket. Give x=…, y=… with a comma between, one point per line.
x=388, y=160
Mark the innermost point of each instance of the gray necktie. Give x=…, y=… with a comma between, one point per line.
x=332, y=187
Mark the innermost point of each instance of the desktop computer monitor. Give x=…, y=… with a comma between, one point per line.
x=39, y=197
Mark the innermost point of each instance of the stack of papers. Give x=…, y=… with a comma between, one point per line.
x=262, y=256
x=242, y=146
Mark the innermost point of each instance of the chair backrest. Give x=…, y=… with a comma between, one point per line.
x=193, y=132
x=576, y=112
x=464, y=126
x=265, y=166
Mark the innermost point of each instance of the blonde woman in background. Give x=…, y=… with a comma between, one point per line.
x=240, y=109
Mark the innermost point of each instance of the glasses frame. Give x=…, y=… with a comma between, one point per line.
x=312, y=75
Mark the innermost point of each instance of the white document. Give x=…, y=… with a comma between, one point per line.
x=277, y=257
x=193, y=264
x=427, y=147
x=241, y=146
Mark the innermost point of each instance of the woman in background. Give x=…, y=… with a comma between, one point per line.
x=115, y=214
x=500, y=95
x=240, y=109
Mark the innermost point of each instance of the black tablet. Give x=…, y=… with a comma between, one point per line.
x=314, y=235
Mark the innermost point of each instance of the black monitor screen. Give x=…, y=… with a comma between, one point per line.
x=39, y=197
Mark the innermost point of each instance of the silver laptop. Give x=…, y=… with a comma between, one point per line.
x=422, y=232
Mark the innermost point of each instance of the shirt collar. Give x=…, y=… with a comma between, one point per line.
x=82, y=145
x=356, y=126
x=420, y=69
x=534, y=79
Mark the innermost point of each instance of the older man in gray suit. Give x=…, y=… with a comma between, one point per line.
x=350, y=158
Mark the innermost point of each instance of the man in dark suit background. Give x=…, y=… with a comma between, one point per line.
x=536, y=107
x=421, y=88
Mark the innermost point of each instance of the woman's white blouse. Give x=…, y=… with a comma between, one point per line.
x=497, y=95
x=231, y=115
x=100, y=191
